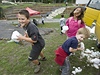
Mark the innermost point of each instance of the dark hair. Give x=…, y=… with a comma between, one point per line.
x=80, y=16
x=62, y=15
x=25, y=12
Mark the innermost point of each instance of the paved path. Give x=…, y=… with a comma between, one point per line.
x=6, y=28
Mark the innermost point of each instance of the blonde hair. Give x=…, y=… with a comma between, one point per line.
x=84, y=31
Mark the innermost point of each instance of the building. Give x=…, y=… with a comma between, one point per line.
x=81, y=2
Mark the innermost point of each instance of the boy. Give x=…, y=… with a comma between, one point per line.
x=68, y=47
x=62, y=22
x=33, y=36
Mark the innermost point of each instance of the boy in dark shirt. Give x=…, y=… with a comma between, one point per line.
x=33, y=36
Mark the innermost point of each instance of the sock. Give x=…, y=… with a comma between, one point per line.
x=39, y=63
x=43, y=57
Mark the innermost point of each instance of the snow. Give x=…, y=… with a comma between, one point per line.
x=9, y=2
x=56, y=12
x=91, y=29
x=65, y=28
x=77, y=70
x=93, y=57
x=15, y=35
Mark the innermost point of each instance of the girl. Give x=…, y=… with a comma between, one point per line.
x=74, y=22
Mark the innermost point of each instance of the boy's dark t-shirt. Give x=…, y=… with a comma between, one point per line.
x=34, y=34
x=71, y=42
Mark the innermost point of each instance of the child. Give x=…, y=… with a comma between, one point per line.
x=42, y=20
x=68, y=47
x=33, y=36
x=62, y=22
x=74, y=22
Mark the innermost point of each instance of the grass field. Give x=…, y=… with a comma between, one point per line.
x=13, y=57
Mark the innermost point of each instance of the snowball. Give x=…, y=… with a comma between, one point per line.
x=15, y=35
x=65, y=28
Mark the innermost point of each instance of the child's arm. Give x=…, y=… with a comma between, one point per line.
x=25, y=34
x=26, y=39
x=79, y=48
x=74, y=50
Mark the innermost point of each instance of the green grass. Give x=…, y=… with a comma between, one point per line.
x=13, y=57
x=59, y=16
x=22, y=5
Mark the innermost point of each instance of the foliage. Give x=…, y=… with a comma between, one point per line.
x=2, y=16
x=59, y=16
x=45, y=1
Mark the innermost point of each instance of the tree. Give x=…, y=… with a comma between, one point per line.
x=0, y=1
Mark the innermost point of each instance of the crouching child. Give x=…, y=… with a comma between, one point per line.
x=68, y=47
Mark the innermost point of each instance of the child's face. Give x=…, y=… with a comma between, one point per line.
x=22, y=20
x=77, y=12
x=80, y=37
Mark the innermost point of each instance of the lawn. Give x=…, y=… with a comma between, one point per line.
x=13, y=56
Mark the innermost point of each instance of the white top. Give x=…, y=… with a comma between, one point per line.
x=62, y=22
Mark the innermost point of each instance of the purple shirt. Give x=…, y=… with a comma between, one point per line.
x=73, y=26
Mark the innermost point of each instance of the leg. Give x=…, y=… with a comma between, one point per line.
x=61, y=29
x=42, y=22
x=41, y=54
x=34, y=54
x=66, y=67
x=36, y=62
x=37, y=67
x=42, y=57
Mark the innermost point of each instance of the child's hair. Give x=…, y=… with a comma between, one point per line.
x=84, y=31
x=25, y=12
x=62, y=15
x=80, y=16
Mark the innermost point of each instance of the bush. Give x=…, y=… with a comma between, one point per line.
x=2, y=16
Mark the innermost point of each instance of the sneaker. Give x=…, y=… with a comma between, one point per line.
x=43, y=59
x=37, y=69
x=60, y=69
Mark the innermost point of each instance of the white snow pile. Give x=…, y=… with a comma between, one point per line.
x=93, y=57
x=9, y=2
x=77, y=70
x=14, y=36
x=65, y=28
x=56, y=12
x=92, y=31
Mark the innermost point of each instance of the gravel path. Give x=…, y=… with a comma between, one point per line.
x=6, y=29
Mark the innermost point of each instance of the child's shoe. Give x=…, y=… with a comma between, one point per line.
x=37, y=69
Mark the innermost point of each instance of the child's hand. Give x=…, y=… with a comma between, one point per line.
x=80, y=48
x=20, y=37
x=25, y=34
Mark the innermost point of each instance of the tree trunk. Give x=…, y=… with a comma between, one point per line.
x=0, y=1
